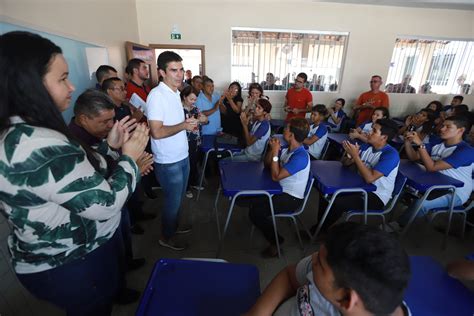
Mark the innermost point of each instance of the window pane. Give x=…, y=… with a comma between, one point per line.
x=274, y=58
x=431, y=66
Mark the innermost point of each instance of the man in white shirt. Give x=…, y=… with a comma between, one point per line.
x=169, y=144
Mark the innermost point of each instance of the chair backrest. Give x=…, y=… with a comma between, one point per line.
x=307, y=191
x=400, y=181
x=324, y=150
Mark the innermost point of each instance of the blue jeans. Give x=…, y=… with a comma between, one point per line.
x=85, y=286
x=173, y=178
x=442, y=201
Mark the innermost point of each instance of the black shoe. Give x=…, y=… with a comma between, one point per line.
x=142, y=216
x=135, y=264
x=137, y=230
x=150, y=194
x=127, y=296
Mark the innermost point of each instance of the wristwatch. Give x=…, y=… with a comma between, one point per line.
x=275, y=158
x=422, y=146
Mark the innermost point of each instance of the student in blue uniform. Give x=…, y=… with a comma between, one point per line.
x=318, y=132
x=362, y=131
x=291, y=169
x=377, y=162
x=336, y=115
x=257, y=136
x=451, y=156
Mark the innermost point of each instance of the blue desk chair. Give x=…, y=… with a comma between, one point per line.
x=461, y=209
x=325, y=149
x=397, y=190
x=293, y=214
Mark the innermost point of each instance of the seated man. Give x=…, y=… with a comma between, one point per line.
x=358, y=270
x=318, y=132
x=291, y=169
x=452, y=157
x=377, y=163
x=255, y=139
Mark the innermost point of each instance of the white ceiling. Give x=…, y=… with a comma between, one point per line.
x=437, y=4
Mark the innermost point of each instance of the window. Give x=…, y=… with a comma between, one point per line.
x=431, y=66
x=273, y=58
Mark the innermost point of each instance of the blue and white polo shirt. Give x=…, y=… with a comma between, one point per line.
x=461, y=158
x=321, y=132
x=385, y=161
x=297, y=164
x=261, y=131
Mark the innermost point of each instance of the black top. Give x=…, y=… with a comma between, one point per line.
x=231, y=120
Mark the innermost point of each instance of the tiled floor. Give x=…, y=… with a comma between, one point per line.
x=422, y=239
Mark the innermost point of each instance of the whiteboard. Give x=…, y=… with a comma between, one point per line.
x=82, y=58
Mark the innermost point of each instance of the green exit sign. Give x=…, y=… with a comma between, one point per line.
x=176, y=36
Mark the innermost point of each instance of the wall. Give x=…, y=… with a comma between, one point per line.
x=107, y=23
x=373, y=30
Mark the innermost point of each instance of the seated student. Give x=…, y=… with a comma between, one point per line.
x=457, y=100
x=422, y=123
x=336, y=115
x=358, y=270
x=436, y=107
x=318, y=132
x=291, y=169
x=377, y=163
x=362, y=131
x=452, y=157
x=256, y=138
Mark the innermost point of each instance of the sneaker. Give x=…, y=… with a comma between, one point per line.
x=184, y=229
x=197, y=187
x=189, y=194
x=172, y=244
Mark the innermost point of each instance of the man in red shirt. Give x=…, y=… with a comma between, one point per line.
x=370, y=100
x=298, y=99
x=138, y=73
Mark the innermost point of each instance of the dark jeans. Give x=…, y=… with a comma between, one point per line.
x=85, y=286
x=174, y=179
x=126, y=234
x=260, y=213
x=344, y=203
x=193, y=164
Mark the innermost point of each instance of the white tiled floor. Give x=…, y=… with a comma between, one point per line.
x=422, y=239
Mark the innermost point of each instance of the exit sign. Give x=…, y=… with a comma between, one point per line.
x=176, y=36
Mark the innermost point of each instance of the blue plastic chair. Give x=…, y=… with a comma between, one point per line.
x=293, y=214
x=461, y=209
x=397, y=190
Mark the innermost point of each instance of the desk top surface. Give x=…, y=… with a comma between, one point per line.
x=246, y=176
x=187, y=287
x=338, y=137
x=332, y=175
x=420, y=179
x=209, y=142
x=432, y=291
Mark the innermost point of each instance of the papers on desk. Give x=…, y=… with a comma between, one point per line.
x=138, y=102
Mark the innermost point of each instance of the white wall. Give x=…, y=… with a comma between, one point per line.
x=373, y=30
x=107, y=23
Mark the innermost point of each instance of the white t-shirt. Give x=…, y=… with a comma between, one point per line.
x=163, y=104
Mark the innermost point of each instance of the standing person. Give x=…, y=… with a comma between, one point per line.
x=102, y=73
x=64, y=212
x=138, y=72
x=230, y=107
x=298, y=99
x=169, y=144
x=255, y=93
x=188, y=98
x=208, y=103
x=370, y=100
x=196, y=83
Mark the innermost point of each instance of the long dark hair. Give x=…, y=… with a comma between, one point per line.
x=238, y=96
x=24, y=61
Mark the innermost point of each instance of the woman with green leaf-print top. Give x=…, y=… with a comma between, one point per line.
x=64, y=213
